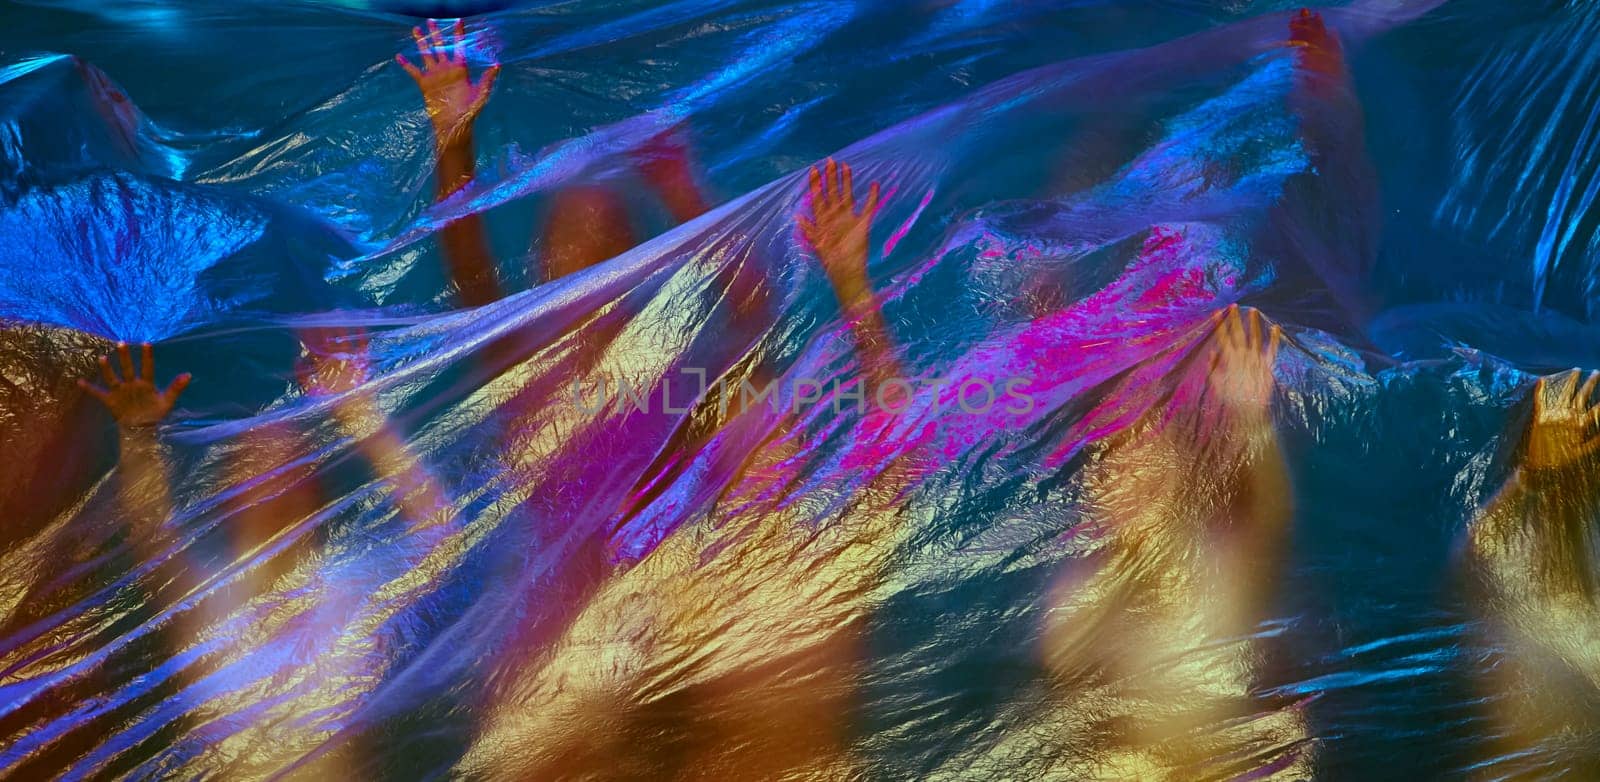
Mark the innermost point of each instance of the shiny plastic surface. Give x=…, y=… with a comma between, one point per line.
x=1230, y=434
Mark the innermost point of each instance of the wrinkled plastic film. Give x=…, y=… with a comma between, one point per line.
x=1246, y=501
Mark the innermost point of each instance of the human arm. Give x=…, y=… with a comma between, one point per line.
x=1534, y=533
x=335, y=366
x=138, y=405
x=453, y=103
x=838, y=233
x=663, y=161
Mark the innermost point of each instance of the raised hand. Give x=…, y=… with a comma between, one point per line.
x=335, y=361
x=1245, y=347
x=837, y=231
x=1565, y=420
x=133, y=398
x=1319, y=48
x=452, y=100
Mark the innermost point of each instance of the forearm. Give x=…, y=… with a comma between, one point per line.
x=867, y=324
x=458, y=158
x=416, y=491
x=1565, y=491
x=144, y=490
x=874, y=343
x=1526, y=493
x=1230, y=469
x=1271, y=498
x=1534, y=535
x=465, y=241
x=664, y=163
x=682, y=196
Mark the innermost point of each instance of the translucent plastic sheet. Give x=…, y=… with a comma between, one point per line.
x=1185, y=421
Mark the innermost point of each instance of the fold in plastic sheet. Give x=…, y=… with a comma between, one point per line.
x=1326, y=532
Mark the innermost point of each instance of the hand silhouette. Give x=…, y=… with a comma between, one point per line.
x=1245, y=347
x=449, y=95
x=133, y=398
x=836, y=230
x=1564, y=422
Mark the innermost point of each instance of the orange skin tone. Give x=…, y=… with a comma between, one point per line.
x=133, y=398
x=1528, y=570
x=748, y=725
x=803, y=730
x=1233, y=418
x=1560, y=434
x=453, y=102
x=586, y=225
x=783, y=731
x=138, y=404
x=335, y=365
x=583, y=226
x=837, y=233
x=289, y=493
x=1243, y=349
x=715, y=724
x=1321, y=56
x=837, y=229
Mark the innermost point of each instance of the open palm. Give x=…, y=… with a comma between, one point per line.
x=133, y=397
x=448, y=91
x=1565, y=419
